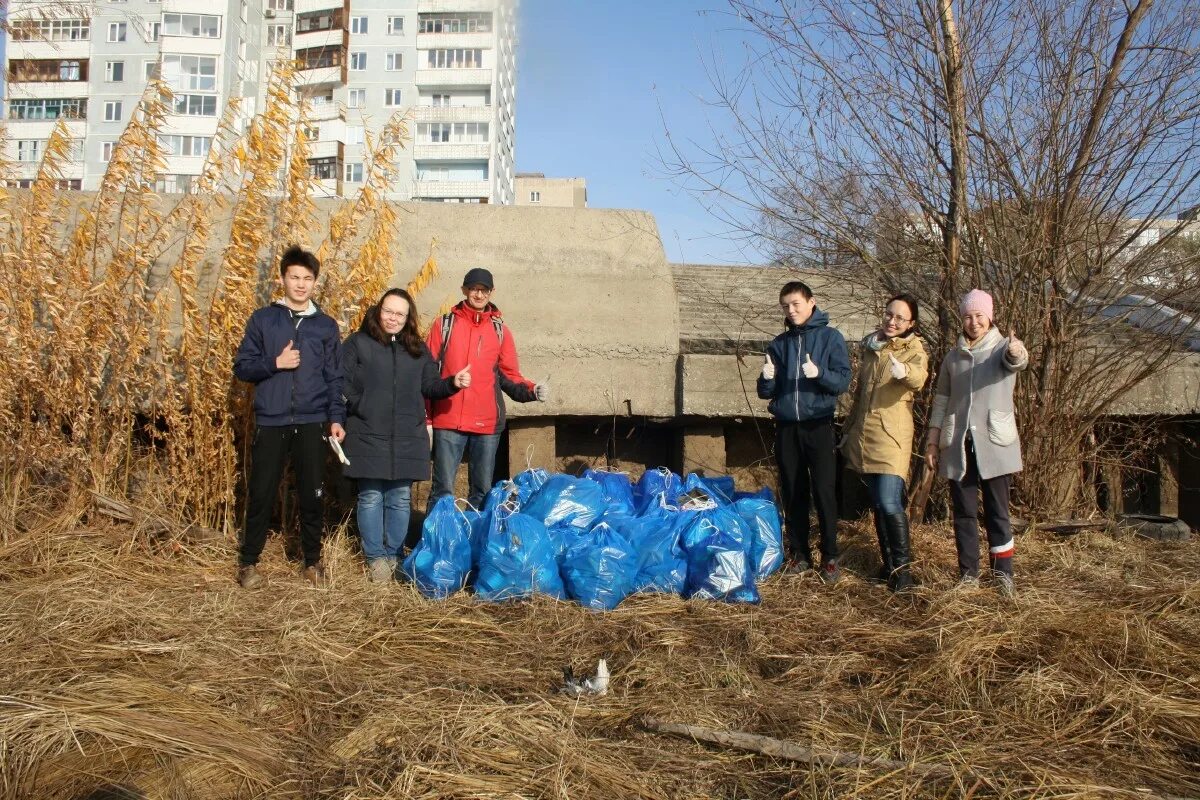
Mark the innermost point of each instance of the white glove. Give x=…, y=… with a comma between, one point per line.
x=1016, y=348
x=810, y=369
x=768, y=371
x=898, y=369
x=542, y=391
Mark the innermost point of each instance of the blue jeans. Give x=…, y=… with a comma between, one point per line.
x=383, y=510
x=448, y=448
x=887, y=493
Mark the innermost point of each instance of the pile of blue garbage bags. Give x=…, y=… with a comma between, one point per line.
x=599, y=538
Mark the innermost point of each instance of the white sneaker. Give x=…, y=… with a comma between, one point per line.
x=380, y=570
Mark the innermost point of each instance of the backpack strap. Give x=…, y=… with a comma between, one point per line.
x=448, y=325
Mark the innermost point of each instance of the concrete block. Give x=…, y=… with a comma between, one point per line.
x=718, y=386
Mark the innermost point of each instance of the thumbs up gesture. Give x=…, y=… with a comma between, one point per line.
x=898, y=369
x=288, y=358
x=462, y=378
x=1016, y=348
x=810, y=369
x=768, y=370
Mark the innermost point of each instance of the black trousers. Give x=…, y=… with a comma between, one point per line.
x=965, y=496
x=805, y=452
x=274, y=447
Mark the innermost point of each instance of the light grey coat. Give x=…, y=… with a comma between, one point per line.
x=975, y=393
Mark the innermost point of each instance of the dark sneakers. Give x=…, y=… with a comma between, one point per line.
x=797, y=566
x=830, y=572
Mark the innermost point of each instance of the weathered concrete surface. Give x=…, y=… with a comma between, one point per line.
x=1174, y=391
x=720, y=386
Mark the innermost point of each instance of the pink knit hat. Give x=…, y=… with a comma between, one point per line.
x=974, y=301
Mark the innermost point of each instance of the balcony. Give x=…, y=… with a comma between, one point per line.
x=452, y=6
x=37, y=49
x=452, y=152
x=334, y=37
x=327, y=148
x=452, y=189
x=325, y=112
x=454, y=77
x=47, y=70
x=309, y=6
x=452, y=114
x=466, y=41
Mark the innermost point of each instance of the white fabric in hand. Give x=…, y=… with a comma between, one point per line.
x=542, y=390
x=768, y=370
x=898, y=369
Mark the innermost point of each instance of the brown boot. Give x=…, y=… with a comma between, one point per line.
x=249, y=578
x=315, y=574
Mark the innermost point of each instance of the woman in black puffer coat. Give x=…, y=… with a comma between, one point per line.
x=388, y=372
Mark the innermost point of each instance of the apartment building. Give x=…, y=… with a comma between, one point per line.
x=449, y=65
x=535, y=189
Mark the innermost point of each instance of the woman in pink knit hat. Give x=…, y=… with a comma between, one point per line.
x=973, y=434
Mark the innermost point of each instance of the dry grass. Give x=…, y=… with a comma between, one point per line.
x=139, y=664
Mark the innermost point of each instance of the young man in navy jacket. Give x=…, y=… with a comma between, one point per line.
x=807, y=367
x=291, y=352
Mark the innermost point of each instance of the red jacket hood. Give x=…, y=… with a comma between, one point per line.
x=470, y=315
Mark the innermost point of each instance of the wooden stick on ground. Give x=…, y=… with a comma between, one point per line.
x=793, y=751
x=919, y=498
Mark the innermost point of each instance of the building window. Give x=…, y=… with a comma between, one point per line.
x=117, y=31
x=195, y=105
x=112, y=111
x=186, y=145
x=395, y=62
x=391, y=97
x=280, y=5
x=190, y=73
x=354, y=134
x=458, y=58
x=324, y=169
x=354, y=172
x=356, y=98
x=203, y=26
x=314, y=21
x=106, y=151
x=279, y=34
x=457, y=132
x=155, y=31
x=114, y=71
x=358, y=24
x=175, y=184
x=455, y=23
x=30, y=149
x=52, y=30
x=535, y=197
x=358, y=61
x=46, y=69
x=440, y=100
x=150, y=70
x=395, y=25
x=312, y=134
x=68, y=70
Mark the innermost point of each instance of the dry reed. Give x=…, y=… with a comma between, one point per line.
x=138, y=663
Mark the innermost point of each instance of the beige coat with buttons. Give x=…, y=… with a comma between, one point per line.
x=879, y=431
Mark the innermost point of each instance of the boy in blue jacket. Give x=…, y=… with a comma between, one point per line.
x=291, y=352
x=807, y=367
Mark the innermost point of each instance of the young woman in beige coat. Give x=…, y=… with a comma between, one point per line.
x=878, y=440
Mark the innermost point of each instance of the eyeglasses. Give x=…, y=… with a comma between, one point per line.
x=393, y=314
x=895, y=318
x=479, y=290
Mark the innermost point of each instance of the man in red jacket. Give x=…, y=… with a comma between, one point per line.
x=473, y=335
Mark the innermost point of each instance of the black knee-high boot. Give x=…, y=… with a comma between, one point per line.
x=897, y=531
x=885, y=551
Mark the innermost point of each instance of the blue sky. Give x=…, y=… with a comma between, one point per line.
x=595, y=81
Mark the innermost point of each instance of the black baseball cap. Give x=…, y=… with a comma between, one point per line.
x=478, y=276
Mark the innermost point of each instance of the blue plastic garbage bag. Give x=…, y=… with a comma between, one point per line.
x=656, y=488
x=529, y=482
x=598, y=569
x=564, y=500
x=618, y=491
x=719, y=567
x=503, y=492
x=661, y=563
x=696, y=524
x=518, y=559
x=718, y=488
x=441, y=561
x=764, y=493
x=766, y=534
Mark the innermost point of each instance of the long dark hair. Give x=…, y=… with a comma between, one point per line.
x=409, y=336
x=911, y=302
